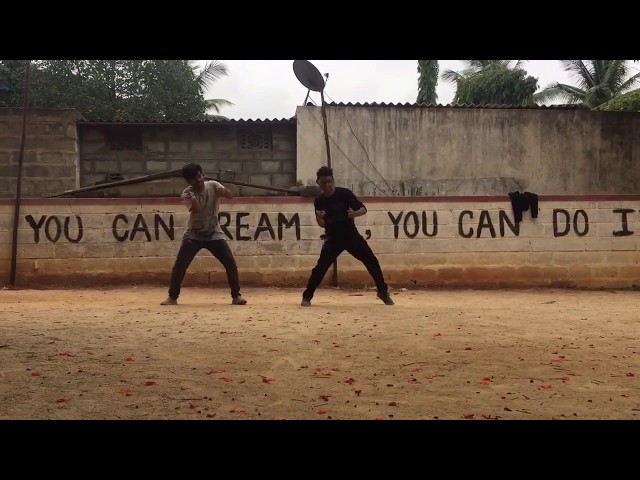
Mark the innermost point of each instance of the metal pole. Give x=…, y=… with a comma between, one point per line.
x=334, y=279
x=16, y=217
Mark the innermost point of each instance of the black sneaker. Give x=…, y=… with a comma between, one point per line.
x=386, y=298
x=238, y=301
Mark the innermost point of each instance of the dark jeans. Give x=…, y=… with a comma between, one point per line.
x=188, y=250
x=357, y=246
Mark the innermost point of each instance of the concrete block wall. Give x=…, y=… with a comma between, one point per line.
x=136, y=150
x=414, y=151
x=50, y=161
x=575, y=241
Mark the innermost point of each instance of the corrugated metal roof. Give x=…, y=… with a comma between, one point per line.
x=231, y=121
x=210, y=121
x=432, y=105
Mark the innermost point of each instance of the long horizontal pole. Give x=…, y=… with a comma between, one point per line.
x=161, y=176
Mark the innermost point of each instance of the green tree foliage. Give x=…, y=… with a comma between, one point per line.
x=492, y=82
x=125, y=90
x=427, y=81
x=12, y=83
x=596, y=82
x=627, y=102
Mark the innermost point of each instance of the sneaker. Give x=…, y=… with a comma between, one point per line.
x=305, y=303
x=238, y=301
x=386, y=298
x=170, y=301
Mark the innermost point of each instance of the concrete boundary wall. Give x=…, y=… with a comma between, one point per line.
x=590, y=241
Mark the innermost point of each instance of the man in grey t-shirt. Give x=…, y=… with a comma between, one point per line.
x=203, y=231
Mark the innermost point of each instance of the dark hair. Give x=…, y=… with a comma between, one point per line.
x=324, y=172
x=191, y=170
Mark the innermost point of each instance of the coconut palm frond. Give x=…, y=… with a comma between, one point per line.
x=211, y=72
x=614, y=72
x=451, y=76
x=578, y=70
x=630, y=83
x=559, y=91
x=216, y=104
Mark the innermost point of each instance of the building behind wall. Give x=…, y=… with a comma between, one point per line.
x=50, y=161
x=63, y=152
x=256, y=152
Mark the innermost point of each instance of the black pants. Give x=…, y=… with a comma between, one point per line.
x=357, y=246
x=188, y=250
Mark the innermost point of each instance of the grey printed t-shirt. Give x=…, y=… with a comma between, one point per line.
x=204, y=225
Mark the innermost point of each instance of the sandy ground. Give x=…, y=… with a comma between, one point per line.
x=461, y=354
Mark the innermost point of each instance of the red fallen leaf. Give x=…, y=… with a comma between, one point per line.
x=124, y=391
x=380, y=418
x=468, y=415
x=227, y=379
x=546, y=386
x=128, y=359
x=322, y=411
x=35, y=374
x=149, y=383
x=485, y=382
x=349, y=381
x=629, y=374
x=566, y=378
x=62, y=400
x=324, y=397
x=358, y=392
x=467, y=348
x=219, y=370
x=267, y=379
x=488, y=379
x=437, y=334
x=211, y=415
x=67, y=354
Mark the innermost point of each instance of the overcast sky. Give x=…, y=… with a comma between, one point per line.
x=268, y=89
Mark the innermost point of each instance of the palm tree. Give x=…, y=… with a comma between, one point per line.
x=205, y=77
x=477, y=67
x=598, y=81
x=492, y=82
x=427, y=82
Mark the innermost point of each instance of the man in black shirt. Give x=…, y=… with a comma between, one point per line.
x=335, y=209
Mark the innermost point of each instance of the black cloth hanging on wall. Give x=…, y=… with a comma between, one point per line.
x=521, y=202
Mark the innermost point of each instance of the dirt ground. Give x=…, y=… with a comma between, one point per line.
x=437, y=354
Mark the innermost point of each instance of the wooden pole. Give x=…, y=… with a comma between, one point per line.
x=334, y=279
x=16, y=216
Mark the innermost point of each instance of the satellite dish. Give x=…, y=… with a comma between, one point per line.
x=308, y=75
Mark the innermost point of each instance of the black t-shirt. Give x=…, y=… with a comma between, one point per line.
x=336, y=221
